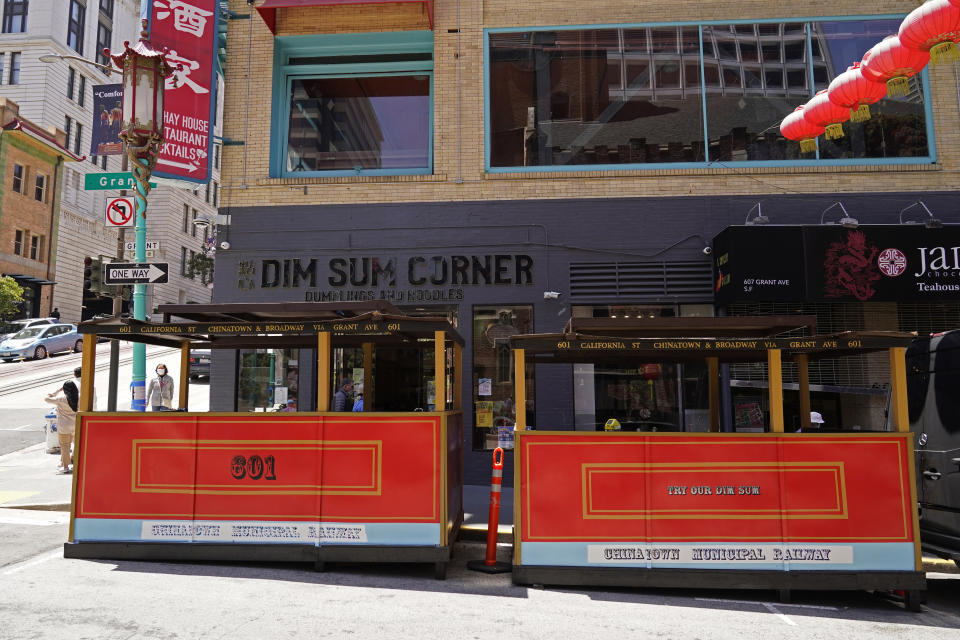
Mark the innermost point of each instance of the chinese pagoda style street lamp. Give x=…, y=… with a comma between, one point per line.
x=144, y=71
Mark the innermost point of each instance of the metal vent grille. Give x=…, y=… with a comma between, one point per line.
x=864, y=371
x=641, y=281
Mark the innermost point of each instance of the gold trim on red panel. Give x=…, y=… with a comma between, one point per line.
x=835, y=468
x=374, y=447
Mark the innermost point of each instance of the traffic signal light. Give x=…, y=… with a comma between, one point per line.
x=92, y=275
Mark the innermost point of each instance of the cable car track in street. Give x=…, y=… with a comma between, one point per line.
x=18, y=382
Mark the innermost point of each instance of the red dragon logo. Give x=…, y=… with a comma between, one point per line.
x=850, y=268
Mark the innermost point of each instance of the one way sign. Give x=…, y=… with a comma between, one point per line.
x=136, y=273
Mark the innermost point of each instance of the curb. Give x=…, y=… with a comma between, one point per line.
x=39, y=506
x=479, y=533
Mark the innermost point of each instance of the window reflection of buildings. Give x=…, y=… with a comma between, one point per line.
x=632, y=95
x=329, y=132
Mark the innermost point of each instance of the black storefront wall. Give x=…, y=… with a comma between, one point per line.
x=868, y=263
x=487, y=276
x=277, y=252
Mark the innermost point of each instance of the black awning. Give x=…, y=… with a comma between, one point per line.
x=19, y=277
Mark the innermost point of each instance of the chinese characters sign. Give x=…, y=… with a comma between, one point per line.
x=188, y=31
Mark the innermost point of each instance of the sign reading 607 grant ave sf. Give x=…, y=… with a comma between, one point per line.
x=188, y=30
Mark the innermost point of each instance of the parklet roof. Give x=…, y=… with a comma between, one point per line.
x=729, y=339
x=276, y=325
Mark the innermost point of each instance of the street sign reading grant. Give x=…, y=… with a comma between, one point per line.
x=104, y=181
x=136, y=273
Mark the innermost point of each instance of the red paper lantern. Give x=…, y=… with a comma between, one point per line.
x=820, y=111
x=933, y=27
x=851, y=90
x=891, y=62
x=796, y=127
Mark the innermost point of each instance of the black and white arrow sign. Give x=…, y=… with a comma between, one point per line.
x=136, y=273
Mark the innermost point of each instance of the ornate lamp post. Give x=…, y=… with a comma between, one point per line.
x=144, y=70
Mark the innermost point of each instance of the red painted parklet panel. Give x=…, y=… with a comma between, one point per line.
x=260, y=467
x=796, y=487
x=188, y=30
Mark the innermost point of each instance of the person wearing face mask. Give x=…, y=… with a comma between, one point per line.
x=160, y=390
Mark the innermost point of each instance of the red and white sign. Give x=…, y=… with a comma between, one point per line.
x=892, y=262
x=119, y=212
x=188, y=31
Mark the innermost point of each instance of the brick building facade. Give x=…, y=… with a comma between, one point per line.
x=31, y=162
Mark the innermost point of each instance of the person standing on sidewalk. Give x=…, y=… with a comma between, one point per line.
x=160, y=390
x=66, y=407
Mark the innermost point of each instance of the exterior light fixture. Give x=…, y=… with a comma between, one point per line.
x=931, y=222
x=56, y=57
x=757, y=219
x=846, y=220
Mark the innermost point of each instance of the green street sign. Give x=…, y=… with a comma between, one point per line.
x=105, y=181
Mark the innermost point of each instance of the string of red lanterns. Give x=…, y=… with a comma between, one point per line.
x=929, y=34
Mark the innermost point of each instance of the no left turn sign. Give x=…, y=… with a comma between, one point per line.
x=119, y=212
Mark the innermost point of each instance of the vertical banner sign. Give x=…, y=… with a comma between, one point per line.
x=107, y=117
x=187, y=29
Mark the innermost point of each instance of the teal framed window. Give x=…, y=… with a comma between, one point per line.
x=686, y=95
x=353, y=104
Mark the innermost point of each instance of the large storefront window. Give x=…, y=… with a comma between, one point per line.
x=495, y=412
x=268, y=380
x=636, y=95
x=353, y=104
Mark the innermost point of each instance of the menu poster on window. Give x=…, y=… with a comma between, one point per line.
x=484, y=413
x=485, y=387
x=748, y=415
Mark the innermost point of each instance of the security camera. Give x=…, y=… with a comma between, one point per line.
x=707, y=251
x=224, y=245
x=551, y=295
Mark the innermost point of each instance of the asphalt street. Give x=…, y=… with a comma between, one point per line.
x=47, y=596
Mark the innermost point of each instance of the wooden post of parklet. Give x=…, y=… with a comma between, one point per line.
x=803, y=373
x=323, y=371
x=457, y=376
x=88, y=361
x=439, y=371
x=775, y=390
x=898, y=388
x=184, y=376
x=713, y=377
x=368, y=376
x=520, y=388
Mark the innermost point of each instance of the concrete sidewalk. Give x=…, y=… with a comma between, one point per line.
x=28, y=480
